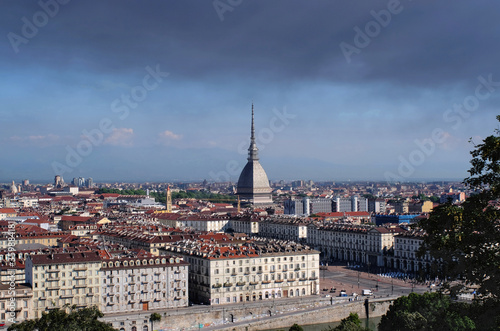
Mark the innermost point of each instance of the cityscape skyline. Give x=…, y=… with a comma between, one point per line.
x=163, y=92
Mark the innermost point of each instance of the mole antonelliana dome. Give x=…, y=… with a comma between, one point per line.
x=253, y=185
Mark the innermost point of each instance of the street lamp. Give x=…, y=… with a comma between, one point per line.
x=358, y=279
x=392, y=286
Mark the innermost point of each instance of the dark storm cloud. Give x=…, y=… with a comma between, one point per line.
x=426, y=43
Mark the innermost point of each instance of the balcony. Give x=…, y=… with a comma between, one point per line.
x=254, y=283
x=259, y=272
x=233, y=274
x=278, y=281
x=80, y=277
x=54, y=279
x=52, y=271
x=313, y=278
x=266, y=282
x=80, y=285
x=217, y=285
x=66, y=296
x=272, y=271
x=302, y=279
x=80, y=269
x=291, y=280
x=178, y=272
x=228, y=284
x=240, y=283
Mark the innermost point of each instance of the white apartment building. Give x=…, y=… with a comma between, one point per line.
x=405, y=257
x=140, y=281
x=260, y=269
x=245, y=224
x=294, y=229
x=15, y=303
x=63, y=278
x=197, y=222
x=355, y=243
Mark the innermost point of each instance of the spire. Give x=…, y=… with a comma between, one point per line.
x=253, y=150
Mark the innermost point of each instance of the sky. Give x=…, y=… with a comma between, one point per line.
x=163, y=90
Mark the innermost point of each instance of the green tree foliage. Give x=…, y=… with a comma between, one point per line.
x=161, y=197
x=350, y=323
x=465, y=239
x=122, y=192
x=296, y=327
x=434, y=198
x=428, y=311
x=85, y=319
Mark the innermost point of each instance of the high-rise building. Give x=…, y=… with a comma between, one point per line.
x=354, y=203
x=253, y=184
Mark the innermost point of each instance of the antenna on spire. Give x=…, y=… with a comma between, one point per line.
x=253, y=127
x=253, y=150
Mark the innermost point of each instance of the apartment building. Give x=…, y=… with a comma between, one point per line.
x=16, y=303
x=245, y=224
x=340, y=241
x=294, y=229
x=405, y=257
x=253, y=270
x=63, y=278
x=139, y=281
x=196, y=222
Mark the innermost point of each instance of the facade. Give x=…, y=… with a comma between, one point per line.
x=421, y=207
x=253, y=184
x=245, y=224
x=253, y=271
x=353, y=243
x=139, y=281
x=294, y=229
x=196, y=222
x=405, y=257
x=16, y=304
x=377, y=206
x=63, y=278
x=354, y=203
x=307, y=206
x=402, y=207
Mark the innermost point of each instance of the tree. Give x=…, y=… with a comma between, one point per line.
x=59, y=320
x=428, y=311
x=155, y=317
x=296, y=327
x=465, y=239
x=350, y=323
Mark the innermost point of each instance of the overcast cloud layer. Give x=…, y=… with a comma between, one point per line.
x=162, y=90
